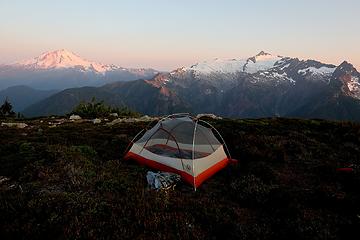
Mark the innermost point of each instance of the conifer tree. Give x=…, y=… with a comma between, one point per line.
x=6, y=109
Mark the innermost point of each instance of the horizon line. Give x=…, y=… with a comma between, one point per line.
x=172, y=69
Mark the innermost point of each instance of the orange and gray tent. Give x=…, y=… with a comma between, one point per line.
x=184, y=145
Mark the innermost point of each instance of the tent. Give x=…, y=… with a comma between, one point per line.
x=181, y=144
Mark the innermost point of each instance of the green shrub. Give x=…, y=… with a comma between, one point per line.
x=85, y=150
x=95, y=109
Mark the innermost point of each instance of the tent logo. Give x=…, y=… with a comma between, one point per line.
x=188, y=167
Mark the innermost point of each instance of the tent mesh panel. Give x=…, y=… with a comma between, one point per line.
x=174, y=138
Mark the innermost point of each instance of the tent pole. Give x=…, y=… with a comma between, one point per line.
x=132, y=142
x=222, y=139
x=175, y=115
x=193, y=152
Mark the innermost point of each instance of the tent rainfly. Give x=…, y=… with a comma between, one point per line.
x=181, y=144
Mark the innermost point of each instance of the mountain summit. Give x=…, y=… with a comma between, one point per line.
x=263, y=85
x=261, y=56
x=261, y=61
x=62, y=69
x=63, y=59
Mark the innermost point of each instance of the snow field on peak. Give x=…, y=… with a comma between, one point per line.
x=231, y=66
x=263, y=62
x=64, y=59
x=218, y=66
x=317, y=71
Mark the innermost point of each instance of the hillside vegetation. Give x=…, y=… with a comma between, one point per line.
x=94, y=109
x=69, y=181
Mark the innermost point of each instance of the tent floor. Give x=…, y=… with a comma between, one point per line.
x=165, y=150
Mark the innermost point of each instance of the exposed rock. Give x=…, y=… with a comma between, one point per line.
x=115, y=121
x=75, y=117
x=17, y=125
x=3, y=179
x=114, y=115
x=209, y=115
x=145, y=118
x=57, y=122
x=96, y=121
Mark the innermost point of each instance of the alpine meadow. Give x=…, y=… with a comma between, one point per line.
x=184, y=119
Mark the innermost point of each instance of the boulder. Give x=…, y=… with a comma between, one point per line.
x=75, y=117
x=145, y=118
x=17, y=125
x=209, y=115
x=96, y=121
x=115, y=121
x=114, y=115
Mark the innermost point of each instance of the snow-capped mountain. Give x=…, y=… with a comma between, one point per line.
x=261, y=68
x=263, y=85
x=262, y=61
x=64, y=69
x=64, y=59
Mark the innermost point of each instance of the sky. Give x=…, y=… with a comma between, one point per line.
x=167, y=34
